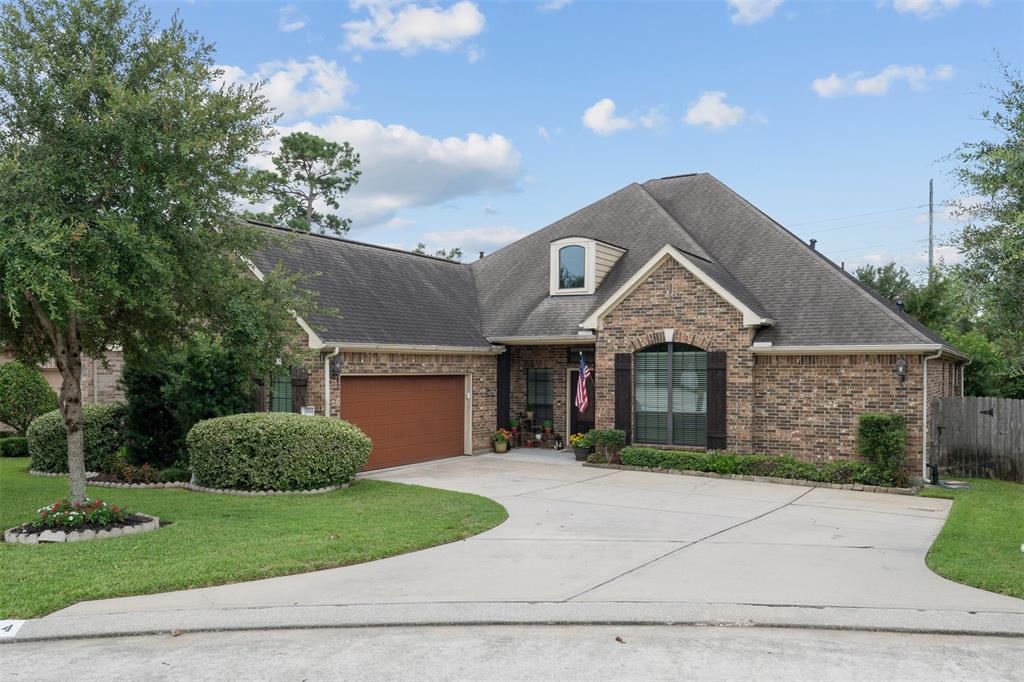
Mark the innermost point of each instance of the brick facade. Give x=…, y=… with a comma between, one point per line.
x=555, y=358
x=101, y=379
x=672, y=298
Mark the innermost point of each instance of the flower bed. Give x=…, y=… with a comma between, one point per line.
x=64, y=521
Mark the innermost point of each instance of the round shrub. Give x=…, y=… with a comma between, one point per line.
x=275, y=451
x=103, y=435
x=24, y=395
x=14, y=447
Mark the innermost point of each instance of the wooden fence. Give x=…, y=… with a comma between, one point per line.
x=981, y=437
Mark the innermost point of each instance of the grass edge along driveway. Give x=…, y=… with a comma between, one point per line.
x=980, y=544
x=218, y=539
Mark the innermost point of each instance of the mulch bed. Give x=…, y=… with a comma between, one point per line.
x=133, y=520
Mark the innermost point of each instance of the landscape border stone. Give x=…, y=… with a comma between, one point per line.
x=760, y=479
x=196, y=488
x=49, y=536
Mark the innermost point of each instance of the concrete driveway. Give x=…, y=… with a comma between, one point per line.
x=596, y=537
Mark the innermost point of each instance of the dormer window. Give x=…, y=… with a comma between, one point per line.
x=572, y=268
x=578, y=264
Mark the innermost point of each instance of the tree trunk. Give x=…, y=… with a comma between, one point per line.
x=69, y=362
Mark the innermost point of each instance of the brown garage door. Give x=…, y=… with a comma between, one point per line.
x=409, y=419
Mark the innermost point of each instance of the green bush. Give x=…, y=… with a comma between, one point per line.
x=14, y=447
x=882, y=439
x=175, y=474
x=152, y=432
x=275, y=451
x=103, y=435
x=607, y=442
x=24, y=395
x=841, y=471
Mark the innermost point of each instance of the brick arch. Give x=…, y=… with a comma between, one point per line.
x=656, y=337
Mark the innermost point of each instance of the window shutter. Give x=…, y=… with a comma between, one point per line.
x=716, y=400
x=624, y=394
x=300, y=380
x=259, y=397
x=504, y=384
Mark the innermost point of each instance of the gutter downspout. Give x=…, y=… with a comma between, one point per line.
x=924, y=426
x=327, y=380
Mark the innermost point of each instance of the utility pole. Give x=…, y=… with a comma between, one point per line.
x=931, y=228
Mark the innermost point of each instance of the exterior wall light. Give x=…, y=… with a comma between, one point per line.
x=901, y=370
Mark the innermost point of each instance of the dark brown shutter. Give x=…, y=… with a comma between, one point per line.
x=259, y=397
x=300, y=380
x=504, y=385
x=624, y=394
x=716, y=400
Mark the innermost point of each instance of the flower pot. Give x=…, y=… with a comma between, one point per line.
x=547, y=429
x=581, y=454
x=515, y=429
x=501, y=446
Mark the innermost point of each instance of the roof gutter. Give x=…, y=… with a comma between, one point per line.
x=857, y=349
x=545, y=340
x=420, y=349
x=924, y=422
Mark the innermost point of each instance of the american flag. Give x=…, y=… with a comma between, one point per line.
x=581, y=386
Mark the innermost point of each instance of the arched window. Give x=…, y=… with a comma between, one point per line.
x=571, y=267
x=686, y=403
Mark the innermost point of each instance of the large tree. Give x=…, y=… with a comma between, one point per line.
x=992, y=241
x=309, y=170
x=119, y=160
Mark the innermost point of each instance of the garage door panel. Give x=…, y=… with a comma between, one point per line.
x=409, y=418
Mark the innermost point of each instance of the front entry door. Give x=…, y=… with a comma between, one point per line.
x=580, y=423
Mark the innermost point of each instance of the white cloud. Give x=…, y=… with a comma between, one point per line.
x=289, y=19
x=474, y=54
x=473, y=240
x=752, y=11
x=552, y=5
x=710, y=109
x=315, y=86
x=914, y=260
x=602, y=120
x=543, y=132
x=916, y=78
x=403, y=168
x=926, y=9
x=409, y=28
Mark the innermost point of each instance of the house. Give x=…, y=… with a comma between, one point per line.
x=707, y=323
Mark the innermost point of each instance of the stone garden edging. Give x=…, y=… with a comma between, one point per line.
x=195, y=488
x=48, y=536
x=760, y=479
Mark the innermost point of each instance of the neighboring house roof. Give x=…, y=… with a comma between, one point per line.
x=390, y=296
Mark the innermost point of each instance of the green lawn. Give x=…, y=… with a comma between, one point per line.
x=217, y=539
x=980, y=543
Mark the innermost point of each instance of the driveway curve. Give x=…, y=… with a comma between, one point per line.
x=595, y=536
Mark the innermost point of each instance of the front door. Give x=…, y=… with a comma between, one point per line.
x=580, y=423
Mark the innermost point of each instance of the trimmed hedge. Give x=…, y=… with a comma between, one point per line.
x=24, y=395
x=840, y=471
x=103, y=434
x=882, y=438
x=14, y=447
x=275, y=451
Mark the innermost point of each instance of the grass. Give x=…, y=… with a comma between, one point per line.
x=217, y=539
x=980, y=545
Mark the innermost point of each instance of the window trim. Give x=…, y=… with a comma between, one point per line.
x=561, y=250
x=589, y=266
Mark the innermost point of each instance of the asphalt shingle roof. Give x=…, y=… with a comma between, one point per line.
x=390, y=296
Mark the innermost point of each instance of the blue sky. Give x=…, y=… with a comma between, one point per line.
x=479, y=122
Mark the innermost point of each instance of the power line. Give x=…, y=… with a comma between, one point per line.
x=857, y=215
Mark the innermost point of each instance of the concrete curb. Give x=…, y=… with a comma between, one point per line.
x=195, y=488
x=911, y=621
x=759, y=479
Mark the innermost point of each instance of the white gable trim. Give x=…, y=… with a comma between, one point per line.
x=668, y=252
x=315, y=342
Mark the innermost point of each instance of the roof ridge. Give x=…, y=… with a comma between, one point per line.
x=345, y=240
x=672, y=220
x=843, y=276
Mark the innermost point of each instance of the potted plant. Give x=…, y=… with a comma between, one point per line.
x=548, y=425
x=501, y=438
x=580, y=446
x=513, y=425
x=529, y=413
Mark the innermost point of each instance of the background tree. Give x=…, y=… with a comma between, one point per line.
x=310, y=169
x=992, y=241
x=118, y=163
x=24, y=395
x=453, y=254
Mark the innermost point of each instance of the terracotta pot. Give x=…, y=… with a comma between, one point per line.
x=501, y=446
x=515, y=429
x=547, y=429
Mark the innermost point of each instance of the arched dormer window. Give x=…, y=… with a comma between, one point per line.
x=572, y=267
